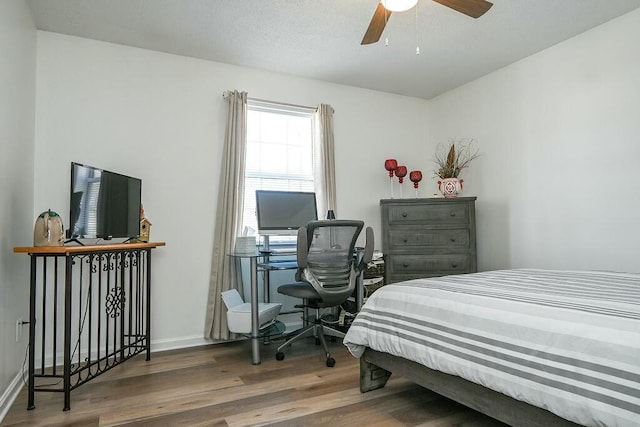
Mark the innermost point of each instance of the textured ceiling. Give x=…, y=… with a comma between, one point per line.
x=320, y=39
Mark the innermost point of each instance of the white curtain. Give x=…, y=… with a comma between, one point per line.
x=325, y=173
x=224, y=274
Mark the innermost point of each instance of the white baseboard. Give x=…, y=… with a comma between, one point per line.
x=10, y=394
x=197, y=340
x=179, y=342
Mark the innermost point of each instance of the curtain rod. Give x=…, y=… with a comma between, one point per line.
x=304, y=107
x=283, y=103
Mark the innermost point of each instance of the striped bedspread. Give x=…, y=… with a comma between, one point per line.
x=566, y=341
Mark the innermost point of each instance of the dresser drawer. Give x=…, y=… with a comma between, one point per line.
x=428, y=265
x=445, y=213
x=412, y=239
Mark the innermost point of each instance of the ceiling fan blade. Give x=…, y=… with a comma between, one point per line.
x=472, y=8
x=376, y=26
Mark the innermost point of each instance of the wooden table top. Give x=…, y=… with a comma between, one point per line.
x=87, y=248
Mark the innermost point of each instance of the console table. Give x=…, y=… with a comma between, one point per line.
x=89, y=310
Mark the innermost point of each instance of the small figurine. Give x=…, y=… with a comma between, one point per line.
x=145, y=227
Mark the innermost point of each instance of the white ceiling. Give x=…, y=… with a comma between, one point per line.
x=320, y=39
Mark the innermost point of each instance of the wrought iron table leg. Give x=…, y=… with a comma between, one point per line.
x=32, y=333
x=67, y=333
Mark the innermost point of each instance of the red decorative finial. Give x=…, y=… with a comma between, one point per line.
x=415, y=177
x=401, y=172
x=390, y=165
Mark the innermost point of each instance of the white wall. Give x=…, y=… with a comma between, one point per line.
x=161, y=117
x=554, y=129
x=17, y=106
x=558, y=183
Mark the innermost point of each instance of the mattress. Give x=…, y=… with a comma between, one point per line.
x=565, y=341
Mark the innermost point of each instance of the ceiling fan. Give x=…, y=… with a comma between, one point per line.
x=472, y=8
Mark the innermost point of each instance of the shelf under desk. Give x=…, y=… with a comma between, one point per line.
x=268, y=264
x=278, y=265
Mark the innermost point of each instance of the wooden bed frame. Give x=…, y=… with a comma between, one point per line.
x=376, y=368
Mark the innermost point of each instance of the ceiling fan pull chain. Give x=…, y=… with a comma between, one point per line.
x=417, y=34
x=386, y=20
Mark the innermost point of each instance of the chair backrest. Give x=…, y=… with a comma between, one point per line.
x=326, y=258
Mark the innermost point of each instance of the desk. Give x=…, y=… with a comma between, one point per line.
x=253, y=269
x=269, y=265
x=100, y=297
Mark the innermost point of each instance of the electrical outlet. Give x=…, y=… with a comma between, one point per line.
x=18, y=329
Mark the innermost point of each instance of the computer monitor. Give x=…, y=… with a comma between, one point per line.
x=282, y=213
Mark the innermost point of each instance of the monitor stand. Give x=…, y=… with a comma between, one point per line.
x=73, y=240
x=265, y=245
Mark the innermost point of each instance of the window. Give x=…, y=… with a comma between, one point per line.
x=279, y=153
x=87, y=187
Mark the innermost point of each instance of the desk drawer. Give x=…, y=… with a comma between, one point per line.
x=413, y=239
x=446, y=213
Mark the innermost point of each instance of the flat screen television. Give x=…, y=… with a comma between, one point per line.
x=281, y=213
x=103, y=204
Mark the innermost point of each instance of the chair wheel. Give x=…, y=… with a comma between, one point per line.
x=331, y=362
x=280, y=356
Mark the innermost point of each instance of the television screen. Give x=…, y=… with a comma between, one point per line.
x=283, y=212
x=103, y=204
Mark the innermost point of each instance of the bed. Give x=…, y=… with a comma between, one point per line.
x=528, y=347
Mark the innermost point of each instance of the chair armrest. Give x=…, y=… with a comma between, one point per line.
x=302, y=250
x=368, y=250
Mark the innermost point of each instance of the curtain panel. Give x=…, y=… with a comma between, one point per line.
x=325, y=173
x=228, y=215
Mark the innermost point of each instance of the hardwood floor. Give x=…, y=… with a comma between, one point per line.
x=217, y=385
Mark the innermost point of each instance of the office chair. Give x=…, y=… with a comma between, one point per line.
x=327, y=272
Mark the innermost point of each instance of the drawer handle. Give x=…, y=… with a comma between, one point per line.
x=452, y=214
x=405, y=265
x=454, y=265
x=404, y=214
x=453, y=239
x=405, y=240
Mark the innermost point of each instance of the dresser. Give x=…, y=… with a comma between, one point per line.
x=428, y=237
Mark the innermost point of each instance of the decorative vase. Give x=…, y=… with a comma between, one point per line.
x=450, y=187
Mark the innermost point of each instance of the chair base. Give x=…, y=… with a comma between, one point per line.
x=317, y=330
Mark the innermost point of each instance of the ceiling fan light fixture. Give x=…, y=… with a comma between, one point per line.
x=398, y=5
